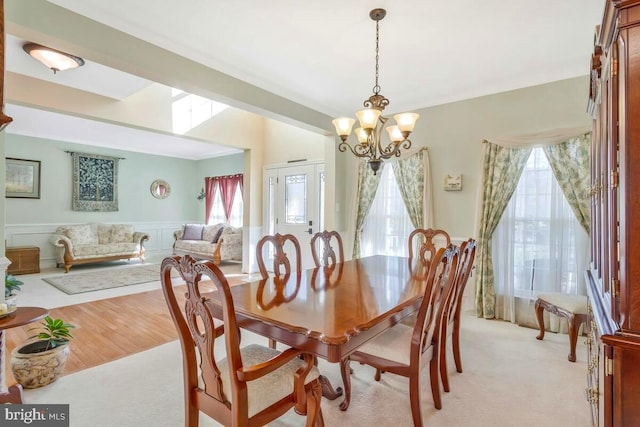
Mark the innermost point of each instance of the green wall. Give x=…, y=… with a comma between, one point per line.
x=136, y=172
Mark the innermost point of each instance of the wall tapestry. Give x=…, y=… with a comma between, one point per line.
x=95, y=182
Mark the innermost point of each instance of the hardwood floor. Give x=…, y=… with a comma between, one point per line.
x=110, y=329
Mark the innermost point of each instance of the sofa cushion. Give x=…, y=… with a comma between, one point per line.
x=109, y=249
x=82, y=234
x=216, y=236
x=192, y=232
x=209, y=232
x=104, y=234
x=121, y=233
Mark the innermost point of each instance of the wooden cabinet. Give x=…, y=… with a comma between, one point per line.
x=613, y=280
x=24, y=259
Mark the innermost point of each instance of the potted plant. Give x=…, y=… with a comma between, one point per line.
x=11, y=285
x=41, y=359
x=11, y=288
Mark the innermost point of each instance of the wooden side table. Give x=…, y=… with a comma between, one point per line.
x=24, y=259
x=22, y=316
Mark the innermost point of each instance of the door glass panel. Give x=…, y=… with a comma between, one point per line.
x=295, y=194
x=321, y=203
x=271, y=205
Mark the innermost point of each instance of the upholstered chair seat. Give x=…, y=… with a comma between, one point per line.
x=269, y=389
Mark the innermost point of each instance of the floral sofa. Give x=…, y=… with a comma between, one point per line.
x=86, y=243
x=217, y=242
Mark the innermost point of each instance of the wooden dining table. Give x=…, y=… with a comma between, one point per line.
x=331, y=311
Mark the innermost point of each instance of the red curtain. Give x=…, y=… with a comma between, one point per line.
x=228, y=185
x=210, y=186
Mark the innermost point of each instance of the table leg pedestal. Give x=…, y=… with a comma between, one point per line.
x=14, y=393
x=327, y=389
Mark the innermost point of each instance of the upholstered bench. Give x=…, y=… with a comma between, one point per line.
x=571, y=307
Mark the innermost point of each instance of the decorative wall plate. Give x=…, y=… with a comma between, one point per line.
x=160, y=189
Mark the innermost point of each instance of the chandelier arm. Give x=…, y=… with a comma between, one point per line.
x=358, y=151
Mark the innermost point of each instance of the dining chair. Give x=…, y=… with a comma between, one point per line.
x=278, y=243
x=451, y=312
x=426, y=242
x=405, y=350
x=252, y=385
x=329, y=257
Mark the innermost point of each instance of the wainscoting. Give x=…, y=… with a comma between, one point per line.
x=160, y=237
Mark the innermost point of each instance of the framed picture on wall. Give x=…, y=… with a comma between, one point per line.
x=22, y=178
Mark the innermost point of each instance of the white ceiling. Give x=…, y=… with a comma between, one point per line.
x=321, y=54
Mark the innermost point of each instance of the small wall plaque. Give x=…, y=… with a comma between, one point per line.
x=453, y=182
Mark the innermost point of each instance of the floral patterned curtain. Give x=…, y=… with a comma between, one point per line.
x=414, y=181
x=502, y=168
x=570, y=162
x=367, y=187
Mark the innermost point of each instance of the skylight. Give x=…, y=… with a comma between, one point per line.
x=189, y=110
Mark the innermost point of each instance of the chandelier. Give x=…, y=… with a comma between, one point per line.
x=371, y=120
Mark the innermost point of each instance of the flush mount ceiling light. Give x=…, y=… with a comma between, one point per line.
x=53, y=59
x=369, y=133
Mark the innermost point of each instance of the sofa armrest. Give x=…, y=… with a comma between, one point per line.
x=61, y=241
x=177, y=235
x=232, y=239
x=139, y=237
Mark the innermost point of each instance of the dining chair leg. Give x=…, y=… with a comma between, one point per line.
x=444, y=375
x=435, y=384
x=192, y=414
x=345, y=371
x=314, y=412
x=414, y=398
x=455, y=345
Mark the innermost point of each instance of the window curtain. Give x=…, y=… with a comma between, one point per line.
x=210, y=187
x=504, y=159
x=413, y=176
x=367, y=187
x=502, y=168
x=228, y=185
x=570, y=162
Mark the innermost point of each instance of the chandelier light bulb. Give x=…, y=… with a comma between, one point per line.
x=362, y=135
x=395, y=135
x=343, y=125
x=368, y=118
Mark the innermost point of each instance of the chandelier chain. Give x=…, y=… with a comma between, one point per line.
x=376, y=88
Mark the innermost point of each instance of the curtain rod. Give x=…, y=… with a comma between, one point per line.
x=76, y=152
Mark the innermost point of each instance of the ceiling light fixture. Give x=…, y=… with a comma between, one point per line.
x=369, y=133
x=53, y=59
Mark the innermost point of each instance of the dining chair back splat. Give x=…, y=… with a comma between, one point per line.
x=425, y=242
x=405, y=350
x=328, y=252
x=281, y=262
x=252, y=385
x=451, y=312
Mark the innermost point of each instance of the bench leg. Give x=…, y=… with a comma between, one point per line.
x=574, y=326
x=540, y=316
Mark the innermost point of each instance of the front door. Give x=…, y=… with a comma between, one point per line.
x=293, y=200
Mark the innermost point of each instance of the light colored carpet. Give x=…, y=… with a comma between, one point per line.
x=88, y=281
x=509, y=379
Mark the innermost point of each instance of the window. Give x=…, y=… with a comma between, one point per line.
x=539, y=246
x=387, y=226
x=217, y=212
x=188, y=110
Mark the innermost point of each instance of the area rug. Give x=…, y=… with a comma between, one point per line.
x=77, y=283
